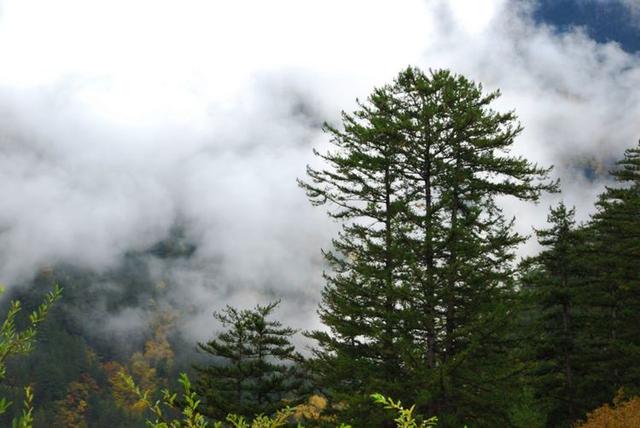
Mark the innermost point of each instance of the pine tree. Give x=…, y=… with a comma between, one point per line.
x=361, y=300
x=554, y=284
x=457, y=166
x=254, y=368
x=613, y=286
x=422, y=268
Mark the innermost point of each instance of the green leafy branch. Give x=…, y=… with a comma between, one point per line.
x=190, y=416
x=20, y=342
x=405, y=418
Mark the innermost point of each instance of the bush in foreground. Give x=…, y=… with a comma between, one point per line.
x=624, y=413
x=187, y=415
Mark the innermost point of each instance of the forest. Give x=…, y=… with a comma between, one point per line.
x=426, y=300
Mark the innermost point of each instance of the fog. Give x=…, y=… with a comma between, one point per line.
x=120, y=120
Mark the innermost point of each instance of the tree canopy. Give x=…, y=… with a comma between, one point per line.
x=422, y=269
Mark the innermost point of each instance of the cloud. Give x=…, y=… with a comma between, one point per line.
x=120, y=119
x=574, y=96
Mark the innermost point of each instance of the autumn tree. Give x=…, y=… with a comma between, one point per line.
x=72, y=411
x=624, y=413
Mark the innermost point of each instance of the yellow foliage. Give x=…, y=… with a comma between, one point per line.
x=138, y=407
x=312, y=410
x=142, y=372
x=91, y=356
x=122, y=395
x=144, y=375
x=141, y=366
x=623, y=414
x=112, y=369
x=71, y=412
x=318, y=401
x=158, y=348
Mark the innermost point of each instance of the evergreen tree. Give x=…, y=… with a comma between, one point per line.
x=583, y=292
x=553, y=283
x=457, y=165
x=612, y=336
x=361, y=301
x=254, y=368
x=422, y=268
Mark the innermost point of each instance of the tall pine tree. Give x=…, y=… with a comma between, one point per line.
x=422, y=269
x=457, y=165
x=360, y=301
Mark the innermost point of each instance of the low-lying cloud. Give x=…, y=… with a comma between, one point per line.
x=120, y=120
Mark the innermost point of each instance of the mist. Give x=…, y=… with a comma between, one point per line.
x=120, y=121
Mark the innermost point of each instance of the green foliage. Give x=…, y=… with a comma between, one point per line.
x=73, y=344
x=189, y=413
x=25, y=420
x=581, y=297
x=421, y=301
x=280, y=419
x=610, y=295
x=552, y=286
x=406, y=418
x=15, y=341
x=526, y=411
x=256, y=366
x=420, y=294
x=192, y=418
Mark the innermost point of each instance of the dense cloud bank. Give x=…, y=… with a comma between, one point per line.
x=120, y=120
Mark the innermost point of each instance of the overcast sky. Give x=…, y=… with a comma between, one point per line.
x=119, y=119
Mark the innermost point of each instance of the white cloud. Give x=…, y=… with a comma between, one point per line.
x=117, y=118
x=474, y=17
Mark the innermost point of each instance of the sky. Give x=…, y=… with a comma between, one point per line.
x=121, y=119
x=603, y=20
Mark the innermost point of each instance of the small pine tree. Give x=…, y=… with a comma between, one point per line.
x=255, y=366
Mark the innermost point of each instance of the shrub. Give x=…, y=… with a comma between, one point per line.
x=190, y=416
x=624, y=413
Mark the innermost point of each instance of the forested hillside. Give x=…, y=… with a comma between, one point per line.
x=425, y=298
x=74, y=366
